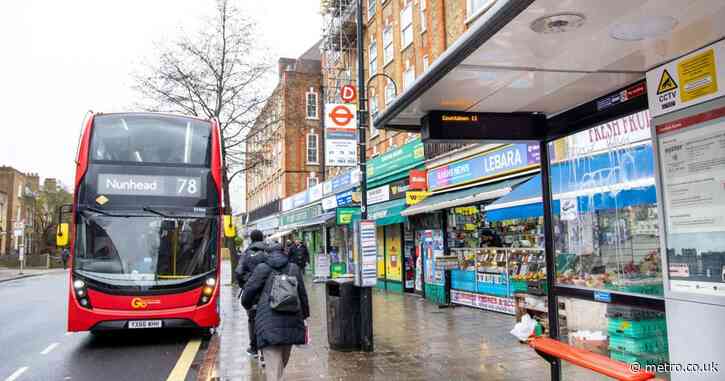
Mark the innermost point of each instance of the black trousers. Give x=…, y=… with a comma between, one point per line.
x=251, y=315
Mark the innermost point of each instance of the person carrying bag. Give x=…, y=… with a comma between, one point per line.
x=281, y=311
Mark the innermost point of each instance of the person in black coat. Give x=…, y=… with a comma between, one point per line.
x=299, y=254
x=276, y=332
x=252, y=257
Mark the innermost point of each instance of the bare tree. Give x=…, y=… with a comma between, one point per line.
x=217, y=73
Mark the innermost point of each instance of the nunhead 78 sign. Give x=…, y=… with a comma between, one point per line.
x=340, y=135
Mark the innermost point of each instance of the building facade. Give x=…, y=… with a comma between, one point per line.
x=21, y=191
x=287, y=138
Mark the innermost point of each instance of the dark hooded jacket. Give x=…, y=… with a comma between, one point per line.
x=272, y=327
x=255, y=254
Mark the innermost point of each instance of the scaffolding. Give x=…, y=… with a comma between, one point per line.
x=338, y=46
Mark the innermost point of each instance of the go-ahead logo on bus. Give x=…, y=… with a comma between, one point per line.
x=139, y=303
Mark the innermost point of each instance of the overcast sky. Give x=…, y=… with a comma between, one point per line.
x=62, y=58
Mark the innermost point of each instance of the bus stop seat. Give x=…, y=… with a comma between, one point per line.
x=549, y=349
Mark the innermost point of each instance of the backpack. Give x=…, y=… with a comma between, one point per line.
x=281, y=289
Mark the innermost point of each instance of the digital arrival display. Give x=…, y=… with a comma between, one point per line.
x=143, y=185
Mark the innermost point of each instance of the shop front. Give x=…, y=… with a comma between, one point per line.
x=388, y=182
x=459, y=191
x=308, y=224
x=614, y=215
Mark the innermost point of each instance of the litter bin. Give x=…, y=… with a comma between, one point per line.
x=343, y=315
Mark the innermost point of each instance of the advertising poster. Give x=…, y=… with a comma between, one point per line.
x=381, y=252
x=340, y=135
x=409, y=257
x=322, y=266
x=393, y=253
x=692, y=158
x=365, y=253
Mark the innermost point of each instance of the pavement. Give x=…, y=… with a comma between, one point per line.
x=8, y=274
x=414, y=340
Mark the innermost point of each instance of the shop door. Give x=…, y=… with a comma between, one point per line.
x=393, y=258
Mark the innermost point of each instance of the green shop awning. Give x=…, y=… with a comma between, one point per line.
x=395, y=164
x=465, y=197
x=387, y=213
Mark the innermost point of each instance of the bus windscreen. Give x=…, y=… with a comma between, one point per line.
x=150, y=139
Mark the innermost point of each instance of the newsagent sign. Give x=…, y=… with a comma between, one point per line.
x=512, y=158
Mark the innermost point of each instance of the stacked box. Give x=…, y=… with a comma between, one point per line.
x=637, y=335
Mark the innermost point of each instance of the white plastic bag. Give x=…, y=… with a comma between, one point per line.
x=525, y=328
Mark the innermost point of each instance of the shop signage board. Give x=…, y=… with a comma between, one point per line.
x=396, y=160
x=301, y=215
x=345, y=216
x=314, y=193
x=692, y=162
x=418, y=180
x=486, y=302
x=507, y=159
x=692, y=79
x=342, y=182
x=344, y=198
x=398, y=189
x=266, y=224
x=340, y=135
x=329, y=203
x=616, y=133
x=415, y=197
x=365, y=254
x=378, y=195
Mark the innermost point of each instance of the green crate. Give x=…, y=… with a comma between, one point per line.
x=645, y=289
x=518, y=286
x=638, y=345
x=637, y=328
x=644, y=359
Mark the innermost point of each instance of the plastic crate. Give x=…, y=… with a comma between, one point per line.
x=537, y=287
x=643, y=359
x=638, y=345
x=637, y=328
x=632, y=313
x=519, y=286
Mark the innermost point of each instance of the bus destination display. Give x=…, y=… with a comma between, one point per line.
x=143, y=185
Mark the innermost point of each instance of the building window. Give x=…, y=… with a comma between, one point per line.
x=423, y=21
x=373, y=114
x=476, y=7
x=425, y=62
x=406, y=26
x=373, y=52
x=408, y=77
x=312, y=149
x=312, y=180
x=389, y=92
x=311, y=98
x=371, y=8
x=388, y=52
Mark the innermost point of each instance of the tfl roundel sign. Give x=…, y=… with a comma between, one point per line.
x=348, y=93
x=341, y=115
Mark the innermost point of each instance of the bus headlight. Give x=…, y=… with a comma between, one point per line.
x=207, y=291
x=79, y=287
x=210, y=282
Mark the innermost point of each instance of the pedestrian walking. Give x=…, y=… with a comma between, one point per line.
x=253, y=256
x=64, y=254
x=282, y=307
x=299, y=254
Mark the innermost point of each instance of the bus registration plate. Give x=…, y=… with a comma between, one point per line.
x=144, y=324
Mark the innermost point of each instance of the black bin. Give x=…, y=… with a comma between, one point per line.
x=343, y=315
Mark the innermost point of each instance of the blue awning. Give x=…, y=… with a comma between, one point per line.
x=605, y=181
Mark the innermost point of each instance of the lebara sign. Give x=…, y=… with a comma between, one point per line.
x=510, y=158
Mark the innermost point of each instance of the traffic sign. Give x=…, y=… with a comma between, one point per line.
x=348, y=93
x=341, y=115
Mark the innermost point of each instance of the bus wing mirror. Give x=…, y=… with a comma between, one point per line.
x=61, y=237
x=230, y=231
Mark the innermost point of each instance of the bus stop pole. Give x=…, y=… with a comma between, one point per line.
x=366, y=293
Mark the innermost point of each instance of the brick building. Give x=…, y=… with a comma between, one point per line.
x=402, y=38
x=287, y=134
x=21, y=190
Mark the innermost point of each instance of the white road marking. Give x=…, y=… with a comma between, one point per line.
x=17, y=374
x=49, y=348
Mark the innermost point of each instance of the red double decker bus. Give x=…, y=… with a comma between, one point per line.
x=147, y=224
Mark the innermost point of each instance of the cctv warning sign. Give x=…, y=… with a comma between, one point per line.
x=690, y=80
